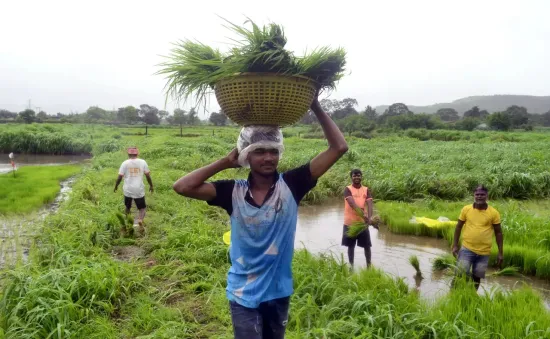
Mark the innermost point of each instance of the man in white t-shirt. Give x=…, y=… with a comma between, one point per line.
x=132, y=170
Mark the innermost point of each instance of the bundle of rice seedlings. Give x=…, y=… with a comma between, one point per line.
x=324, y=65
x=375, y=221
x=355, y=229
x=194, y=68
x=509, y=271
x=443, y=262
x=413, y=260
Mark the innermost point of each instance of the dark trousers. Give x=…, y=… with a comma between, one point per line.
x=268, y=321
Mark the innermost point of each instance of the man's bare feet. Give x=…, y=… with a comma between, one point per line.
x=141, y=228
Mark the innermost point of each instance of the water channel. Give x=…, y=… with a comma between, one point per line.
x=319, y=230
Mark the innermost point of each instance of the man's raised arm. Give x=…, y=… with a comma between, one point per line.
x=337, y=145
x=194, y=185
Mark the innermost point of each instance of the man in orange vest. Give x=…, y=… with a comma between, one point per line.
x=357, y=196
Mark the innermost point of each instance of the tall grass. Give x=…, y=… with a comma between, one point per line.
x=42, y=143
x=73, y=288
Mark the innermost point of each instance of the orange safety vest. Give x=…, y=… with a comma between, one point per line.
x=360, y=197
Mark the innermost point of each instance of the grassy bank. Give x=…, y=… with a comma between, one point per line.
x=171, y=283
x=32, y=187
x=512, y=165
x=525, y=225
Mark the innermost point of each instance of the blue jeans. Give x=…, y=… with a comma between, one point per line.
x=468, y=260
x=268, y=321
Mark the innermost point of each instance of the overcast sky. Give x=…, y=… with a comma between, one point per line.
x=68, y=55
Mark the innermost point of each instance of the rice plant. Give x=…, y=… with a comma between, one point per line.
x=413, y=260
x=507, y=271
x=193, y=68
x=444, y=262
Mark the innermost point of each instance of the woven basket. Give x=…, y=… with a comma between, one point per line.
x=265, y=98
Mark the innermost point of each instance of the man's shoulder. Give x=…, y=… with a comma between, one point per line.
x=492, y=210
x=467, y=208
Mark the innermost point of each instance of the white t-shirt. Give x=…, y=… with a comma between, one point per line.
x=133, y=171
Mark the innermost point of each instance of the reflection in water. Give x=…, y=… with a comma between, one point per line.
x=320, y=230
x=38, y=159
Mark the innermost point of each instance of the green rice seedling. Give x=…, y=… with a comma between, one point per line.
x=444, y=262
x=324, y=65
x=413, y=260
x=32, y=187
x=121, y=219
x=194, y=68
x=355, y=229
x=507, y=271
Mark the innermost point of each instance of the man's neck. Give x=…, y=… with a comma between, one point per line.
x=481, y=206
x=357, y=185
x=261, y=181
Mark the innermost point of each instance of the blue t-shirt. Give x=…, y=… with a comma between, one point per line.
x=262, y=237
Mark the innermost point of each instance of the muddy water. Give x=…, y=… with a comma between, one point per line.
x=320, y=230
x=38, y=159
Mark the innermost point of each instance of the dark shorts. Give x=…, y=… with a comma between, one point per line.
x=268, y=321
x=472, y=263
x=362, y=240
x=140, y=202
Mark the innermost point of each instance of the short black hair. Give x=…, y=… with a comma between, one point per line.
x=481, y=188
x=355, y=171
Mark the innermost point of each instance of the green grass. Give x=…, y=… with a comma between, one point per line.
x=32, y=187
x=73, y=287
x=44, y=139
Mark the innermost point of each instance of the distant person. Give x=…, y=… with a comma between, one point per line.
x=357, y=196
x=132, y=170
x=263, y=210
x=479, y=221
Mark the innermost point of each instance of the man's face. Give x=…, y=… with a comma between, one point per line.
x=356, y=178
x=480, y=197
x=264, y=161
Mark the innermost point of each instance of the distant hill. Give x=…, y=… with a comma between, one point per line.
x=492, y=103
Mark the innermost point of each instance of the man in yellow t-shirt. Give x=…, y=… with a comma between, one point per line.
x=480, y=221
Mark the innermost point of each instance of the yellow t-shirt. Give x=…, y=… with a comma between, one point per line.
x=477, y=233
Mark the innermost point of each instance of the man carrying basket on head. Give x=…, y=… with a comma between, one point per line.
x=263, y=211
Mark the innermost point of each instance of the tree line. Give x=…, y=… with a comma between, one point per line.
x=398, y=116
x=130, y=115
x=344, y=112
